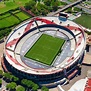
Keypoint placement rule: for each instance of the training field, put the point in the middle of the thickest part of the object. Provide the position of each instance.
(45, 49)
(84, 20)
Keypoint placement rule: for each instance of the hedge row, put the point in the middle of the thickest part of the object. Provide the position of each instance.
(5, 32)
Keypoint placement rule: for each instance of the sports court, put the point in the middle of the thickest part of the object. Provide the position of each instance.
(45, 49)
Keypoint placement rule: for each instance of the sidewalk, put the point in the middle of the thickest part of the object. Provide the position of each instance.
(1, 52)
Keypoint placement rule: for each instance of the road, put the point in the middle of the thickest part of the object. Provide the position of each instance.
(79, 6)
(65, 7)
(84, 9)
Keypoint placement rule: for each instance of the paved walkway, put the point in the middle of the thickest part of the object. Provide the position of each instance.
(82, 76)
(87, 59)
(81, 82)
(1, 52)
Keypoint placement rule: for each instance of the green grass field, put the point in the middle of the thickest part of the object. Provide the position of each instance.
(8, 5)
(22, 16)
(45, 49)
(6, 20)
(84, 20)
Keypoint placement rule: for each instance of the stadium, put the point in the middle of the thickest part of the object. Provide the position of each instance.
(47, 50)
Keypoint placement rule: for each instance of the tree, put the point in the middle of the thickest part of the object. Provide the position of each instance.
(23, 82)
(1, 73)
(35, 87)
(20, 88)
(0, 82)
(44, 88)
(15, 79)
(11, 86)
(27, 83)
(30, 83)
(34, 10)
(8, 76)
(30, 4)
(42, 9)
(47, 2)
(55, 5)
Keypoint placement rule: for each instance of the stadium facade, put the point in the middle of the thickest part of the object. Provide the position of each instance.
(64, 66)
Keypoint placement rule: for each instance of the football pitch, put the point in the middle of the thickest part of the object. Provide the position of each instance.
(45, 49)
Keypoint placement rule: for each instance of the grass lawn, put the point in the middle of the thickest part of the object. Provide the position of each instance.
(84, 20)
(8, 5)
(45, 49)
(4, 16)
(16, 11)
(22, 16)
(8, 21)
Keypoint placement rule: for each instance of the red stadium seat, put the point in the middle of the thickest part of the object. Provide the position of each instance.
(89, 82)
(87, 89)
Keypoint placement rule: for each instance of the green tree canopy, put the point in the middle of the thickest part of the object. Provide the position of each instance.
(27, 83)
(11, 86)
(30, 4)
(35, 87)
(20, 88)
(8, 76)
(5, 32)
(42, 9)
(1, 73)
(44, 88)
(0, 81)
(14, 78)
(47, 2)
(55, 5)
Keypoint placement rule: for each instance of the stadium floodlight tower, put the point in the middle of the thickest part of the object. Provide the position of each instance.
(36, 24)
(44, 50)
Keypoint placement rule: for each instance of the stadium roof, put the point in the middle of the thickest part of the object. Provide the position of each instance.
(26, 31)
